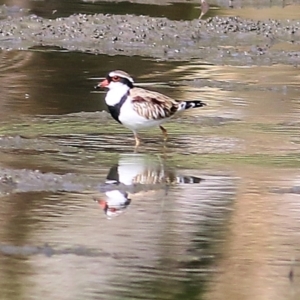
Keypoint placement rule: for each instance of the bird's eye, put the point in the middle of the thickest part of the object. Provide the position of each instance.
(115, 78)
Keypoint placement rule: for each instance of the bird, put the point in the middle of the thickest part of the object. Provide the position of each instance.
(138, 108)
(114, 203)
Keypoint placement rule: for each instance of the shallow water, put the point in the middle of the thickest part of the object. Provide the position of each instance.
(214, 214)
(75, 236)
(174, 10)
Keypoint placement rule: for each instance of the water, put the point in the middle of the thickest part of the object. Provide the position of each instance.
(169, 230)
(213, 215)
(58, 9)
(173, 240)
(174, 10)
(65, 81)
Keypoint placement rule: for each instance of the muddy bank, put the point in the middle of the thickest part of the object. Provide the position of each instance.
(217, 40)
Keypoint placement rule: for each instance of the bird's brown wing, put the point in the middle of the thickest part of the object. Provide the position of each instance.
(152, 105)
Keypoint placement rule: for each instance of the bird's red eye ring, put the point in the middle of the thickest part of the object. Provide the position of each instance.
(115, 78)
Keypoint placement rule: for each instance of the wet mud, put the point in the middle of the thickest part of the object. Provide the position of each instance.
(54, 150)
(66, 148)
(217, 39)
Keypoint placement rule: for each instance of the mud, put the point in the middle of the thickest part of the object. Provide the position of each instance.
(47, 250)
(218, 40)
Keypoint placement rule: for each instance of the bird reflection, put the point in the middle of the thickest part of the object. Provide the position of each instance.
(114, 203)
(135, 174)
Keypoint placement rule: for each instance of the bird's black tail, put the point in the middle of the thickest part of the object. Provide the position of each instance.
(193, 104)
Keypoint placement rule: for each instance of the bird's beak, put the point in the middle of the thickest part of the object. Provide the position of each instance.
(102, 204)
(102, 84)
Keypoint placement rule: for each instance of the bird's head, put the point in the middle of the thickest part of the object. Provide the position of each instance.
(116, 79)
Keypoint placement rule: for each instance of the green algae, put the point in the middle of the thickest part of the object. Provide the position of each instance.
(193, 161)
(95, 137)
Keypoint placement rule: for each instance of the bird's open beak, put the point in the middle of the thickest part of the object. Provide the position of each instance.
(102, 84)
